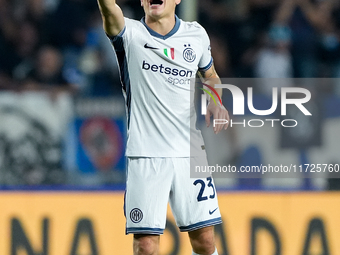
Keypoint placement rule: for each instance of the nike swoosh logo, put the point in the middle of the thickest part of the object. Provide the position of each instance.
(146, 46)
(211, 212)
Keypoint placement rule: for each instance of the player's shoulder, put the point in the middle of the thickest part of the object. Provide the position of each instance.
(193, 26)
(132, 22)
(133, 29)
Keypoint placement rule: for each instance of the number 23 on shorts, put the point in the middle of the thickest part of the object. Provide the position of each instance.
(200, 196)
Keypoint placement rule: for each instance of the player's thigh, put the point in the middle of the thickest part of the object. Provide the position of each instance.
(147, 194)
(193, 200)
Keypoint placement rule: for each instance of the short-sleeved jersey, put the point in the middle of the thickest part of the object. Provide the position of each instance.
(155, 73)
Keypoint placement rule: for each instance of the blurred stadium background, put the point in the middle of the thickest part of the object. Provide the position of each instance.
(63, 128)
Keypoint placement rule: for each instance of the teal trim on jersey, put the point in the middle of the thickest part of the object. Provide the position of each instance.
(118, 44)
(114, 39)
(207, 67)
(164, 37)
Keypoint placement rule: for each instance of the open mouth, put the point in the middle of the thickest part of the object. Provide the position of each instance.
(156, 2)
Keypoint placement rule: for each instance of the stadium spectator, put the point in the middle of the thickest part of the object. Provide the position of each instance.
(27, 42)
(245, 37)
(66, 26)
(309, 21)
(47, 72)
(274, 59)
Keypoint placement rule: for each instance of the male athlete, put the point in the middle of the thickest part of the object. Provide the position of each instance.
(157, 57)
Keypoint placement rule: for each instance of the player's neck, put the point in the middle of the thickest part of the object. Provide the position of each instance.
(163, 25)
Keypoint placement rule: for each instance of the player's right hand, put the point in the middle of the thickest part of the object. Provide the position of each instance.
(217, 111)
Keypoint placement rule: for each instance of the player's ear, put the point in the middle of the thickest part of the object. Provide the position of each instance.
(141, 2)
(177, 2)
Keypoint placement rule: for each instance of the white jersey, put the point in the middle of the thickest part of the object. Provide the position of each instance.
(155, 72)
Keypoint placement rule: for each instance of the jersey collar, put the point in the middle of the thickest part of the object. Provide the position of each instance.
(172, 32)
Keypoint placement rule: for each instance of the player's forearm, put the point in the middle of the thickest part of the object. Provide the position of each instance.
(211, 78)
(106, 7)
(219, 90)
(113, 19)
(212, 82)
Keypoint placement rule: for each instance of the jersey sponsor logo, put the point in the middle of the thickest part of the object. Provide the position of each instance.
(146, 46)
(169, 52)
(189, 54)
(166, 70)
(136, 215)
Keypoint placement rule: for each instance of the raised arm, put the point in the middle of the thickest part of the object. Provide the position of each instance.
(112, 15)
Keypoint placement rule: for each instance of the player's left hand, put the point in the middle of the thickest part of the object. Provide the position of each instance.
(218, 112)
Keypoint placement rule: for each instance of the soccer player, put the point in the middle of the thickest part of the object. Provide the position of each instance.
(157, 57)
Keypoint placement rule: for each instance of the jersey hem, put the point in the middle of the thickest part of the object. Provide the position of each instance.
(201, 224)
(152, 231)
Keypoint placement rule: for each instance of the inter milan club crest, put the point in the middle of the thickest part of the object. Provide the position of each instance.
(189, 54)
(136, 215)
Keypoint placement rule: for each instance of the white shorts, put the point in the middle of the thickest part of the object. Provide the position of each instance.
(153, 182)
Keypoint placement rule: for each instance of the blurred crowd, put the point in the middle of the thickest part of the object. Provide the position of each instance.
(274, 38)
(59, 45)
(55, 45)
